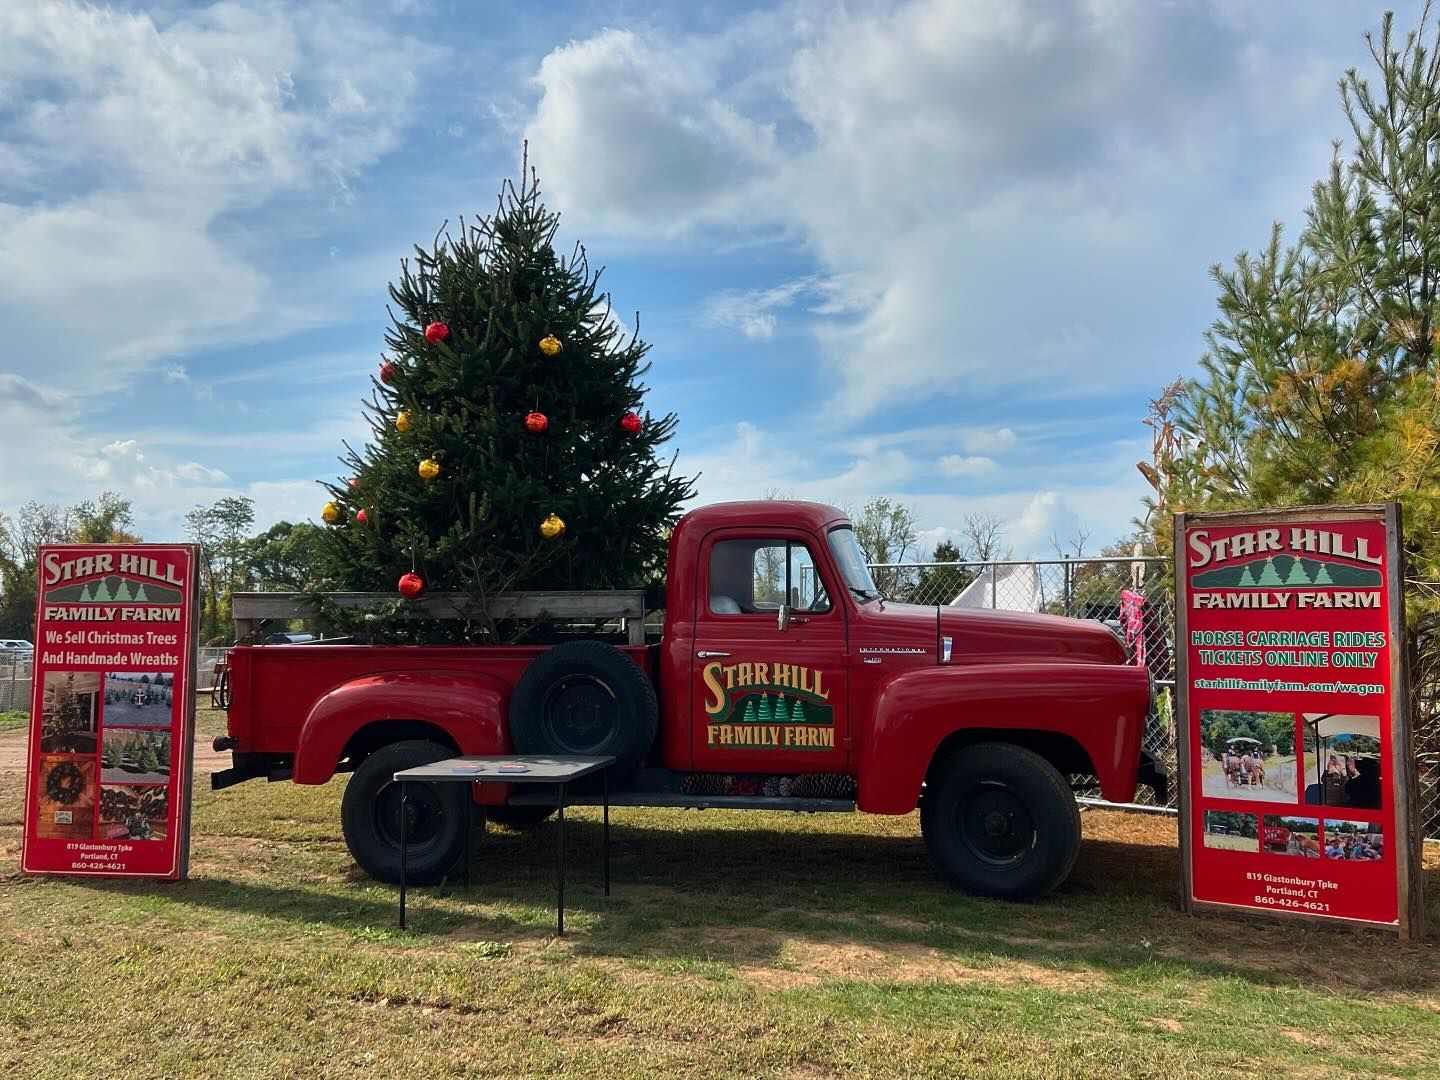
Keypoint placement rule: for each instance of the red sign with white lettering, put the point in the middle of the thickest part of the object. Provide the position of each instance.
(112, 711)
(1290, 632)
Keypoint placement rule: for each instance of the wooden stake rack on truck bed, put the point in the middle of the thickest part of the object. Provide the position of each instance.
(626, 605)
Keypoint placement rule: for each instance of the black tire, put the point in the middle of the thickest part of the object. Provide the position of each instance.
(518, 817)
(370, 816)
(585, 697)
(1000, 820)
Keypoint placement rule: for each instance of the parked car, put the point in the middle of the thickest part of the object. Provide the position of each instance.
(16, 645)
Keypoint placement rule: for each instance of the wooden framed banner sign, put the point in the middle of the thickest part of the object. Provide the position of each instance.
(112, 719)
(1298, 779)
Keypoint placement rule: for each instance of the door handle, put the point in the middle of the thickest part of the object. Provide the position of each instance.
(705, 654)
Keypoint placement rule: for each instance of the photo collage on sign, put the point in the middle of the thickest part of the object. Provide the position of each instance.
(1309, 760)
(138, 717)
(105, 755)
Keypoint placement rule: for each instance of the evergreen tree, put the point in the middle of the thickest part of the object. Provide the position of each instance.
(941, 584)
(1319, 383)
(496, 336)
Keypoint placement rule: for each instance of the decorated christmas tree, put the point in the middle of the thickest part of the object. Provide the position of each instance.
(510, 445)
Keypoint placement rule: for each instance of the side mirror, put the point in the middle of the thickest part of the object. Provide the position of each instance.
(783, 620)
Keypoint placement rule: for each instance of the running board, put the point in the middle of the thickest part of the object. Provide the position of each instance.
(674, 800)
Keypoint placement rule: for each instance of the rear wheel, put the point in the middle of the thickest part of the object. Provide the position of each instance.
(435, 816)
(1000, 820)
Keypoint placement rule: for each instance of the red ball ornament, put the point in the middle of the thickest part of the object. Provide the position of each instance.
(630, 424)
(436, 332)
(354, 483)
(411, 585)
(387, 372)
(360, 516)
(536, 422)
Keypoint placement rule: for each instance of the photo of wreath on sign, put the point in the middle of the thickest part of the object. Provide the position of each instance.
(66, 797)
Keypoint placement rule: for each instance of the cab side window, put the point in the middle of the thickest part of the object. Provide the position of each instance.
(749, 577)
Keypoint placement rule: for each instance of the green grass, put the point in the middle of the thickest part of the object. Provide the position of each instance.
(15, 720)
(734, 945)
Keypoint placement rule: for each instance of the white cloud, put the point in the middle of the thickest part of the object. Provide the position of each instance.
(1046, 515)
(996, 183)
(958, 465)
(753, 312)
(201, 474)
(632, 136)
(132, 136)
(987, 440)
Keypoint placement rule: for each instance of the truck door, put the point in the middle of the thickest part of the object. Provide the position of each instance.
(763, 698)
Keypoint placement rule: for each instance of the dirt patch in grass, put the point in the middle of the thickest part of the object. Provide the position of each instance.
(804, 963)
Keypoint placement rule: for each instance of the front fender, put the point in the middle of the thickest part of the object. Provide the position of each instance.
(1101, 706)
(469, 708)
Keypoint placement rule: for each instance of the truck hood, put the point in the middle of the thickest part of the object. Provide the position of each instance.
(993, 636)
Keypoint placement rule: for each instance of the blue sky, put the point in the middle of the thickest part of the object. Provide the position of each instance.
(940, 250)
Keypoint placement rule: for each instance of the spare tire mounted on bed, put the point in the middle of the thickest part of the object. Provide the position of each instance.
(584, 697)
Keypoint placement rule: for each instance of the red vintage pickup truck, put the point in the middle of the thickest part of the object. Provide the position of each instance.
(782, 680)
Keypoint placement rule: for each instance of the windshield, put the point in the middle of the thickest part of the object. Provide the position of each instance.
(851, 561)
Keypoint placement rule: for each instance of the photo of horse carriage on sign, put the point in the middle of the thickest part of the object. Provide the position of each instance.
(1249, 755)
(1284, 835)
(1342, 760)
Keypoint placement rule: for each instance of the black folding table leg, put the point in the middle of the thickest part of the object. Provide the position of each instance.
(404, 812)
(605, 832)
(469, 827)
(560, 861)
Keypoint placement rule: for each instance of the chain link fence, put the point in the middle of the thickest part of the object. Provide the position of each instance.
(15, 672)
(1134, 597)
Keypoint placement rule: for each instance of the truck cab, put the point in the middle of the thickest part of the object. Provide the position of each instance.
(782, 679)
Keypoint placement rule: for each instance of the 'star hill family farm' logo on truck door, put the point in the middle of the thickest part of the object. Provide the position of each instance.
(1279, 569)
(767, 707)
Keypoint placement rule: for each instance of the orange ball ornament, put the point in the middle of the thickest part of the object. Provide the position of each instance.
(553, 527)
(402, 420)
(428, 469)
(331, 513)
(550, 345)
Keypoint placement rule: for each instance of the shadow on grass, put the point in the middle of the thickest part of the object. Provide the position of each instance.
(736, 896)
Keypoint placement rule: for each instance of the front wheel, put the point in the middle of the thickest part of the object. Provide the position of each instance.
(435, 822)
(999, 820)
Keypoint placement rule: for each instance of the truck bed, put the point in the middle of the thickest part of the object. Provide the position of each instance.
(273, 687)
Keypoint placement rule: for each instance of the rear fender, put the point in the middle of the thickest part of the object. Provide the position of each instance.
(1102, 707)
(468, 709)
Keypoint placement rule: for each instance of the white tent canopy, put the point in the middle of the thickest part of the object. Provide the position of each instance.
(1009, 588)
(1328, 725)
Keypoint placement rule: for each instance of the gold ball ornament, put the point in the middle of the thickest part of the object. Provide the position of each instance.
(552, 528)
(402, 421)
(429, 469)
(331, 513)
(550, 345)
